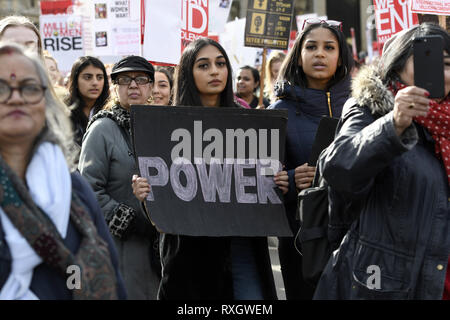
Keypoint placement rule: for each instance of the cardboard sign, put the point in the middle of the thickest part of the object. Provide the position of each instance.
(393, 16)
(438, 7)
(268, 24)
(211, 169)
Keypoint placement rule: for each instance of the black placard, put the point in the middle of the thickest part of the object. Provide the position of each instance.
(193, 194)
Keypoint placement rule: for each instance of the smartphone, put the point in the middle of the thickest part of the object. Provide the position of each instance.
(324, 136)
(429, 65)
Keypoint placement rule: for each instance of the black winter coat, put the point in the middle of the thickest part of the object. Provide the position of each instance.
(402, 235)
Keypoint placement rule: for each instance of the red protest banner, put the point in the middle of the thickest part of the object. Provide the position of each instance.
(393, 16)
(55, 7)
(438, 7)
(194, 17)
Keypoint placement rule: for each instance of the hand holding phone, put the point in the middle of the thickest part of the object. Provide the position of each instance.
(429, 65)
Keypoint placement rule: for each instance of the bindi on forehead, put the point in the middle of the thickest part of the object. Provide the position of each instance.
(12, 76)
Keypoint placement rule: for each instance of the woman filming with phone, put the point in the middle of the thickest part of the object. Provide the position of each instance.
(392, 152)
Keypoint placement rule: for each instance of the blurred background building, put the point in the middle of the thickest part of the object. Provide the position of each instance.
(29, 8)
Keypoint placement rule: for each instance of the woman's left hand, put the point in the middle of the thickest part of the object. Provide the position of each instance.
(282, 181)
(141, 187)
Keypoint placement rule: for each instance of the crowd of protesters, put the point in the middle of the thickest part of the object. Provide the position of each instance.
(71, 194)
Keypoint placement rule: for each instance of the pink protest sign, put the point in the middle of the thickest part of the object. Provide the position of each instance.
(438, 7)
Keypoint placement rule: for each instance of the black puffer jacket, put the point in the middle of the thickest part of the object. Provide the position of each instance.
(402, 234)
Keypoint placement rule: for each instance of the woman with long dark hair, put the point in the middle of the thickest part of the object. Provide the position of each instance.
(314, 81)
(205, 268)
(88, 92)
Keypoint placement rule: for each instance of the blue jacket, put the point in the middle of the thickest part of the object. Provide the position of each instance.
(398, 247)
(47, 284)
(305, 109)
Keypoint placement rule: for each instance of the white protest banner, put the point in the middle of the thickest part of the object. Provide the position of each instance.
(438, 7)
(219, 10)
(194, 21)
(84, 8)
(62, 38)
(232, 41)
(115, 27)
(392, 16)
(162, 32)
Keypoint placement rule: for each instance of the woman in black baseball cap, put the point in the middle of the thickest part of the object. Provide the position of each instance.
(108, 163)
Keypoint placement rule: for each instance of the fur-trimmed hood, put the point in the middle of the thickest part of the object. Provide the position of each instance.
(368, 90)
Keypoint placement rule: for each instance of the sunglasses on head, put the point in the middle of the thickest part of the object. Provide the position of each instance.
(331, 23)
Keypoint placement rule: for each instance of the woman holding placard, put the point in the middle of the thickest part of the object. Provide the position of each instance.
(205, 268)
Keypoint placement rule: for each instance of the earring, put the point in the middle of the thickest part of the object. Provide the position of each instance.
(150, 100)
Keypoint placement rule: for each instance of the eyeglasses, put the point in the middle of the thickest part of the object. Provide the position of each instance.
(30, 93)
(125, 81)
(331, 23)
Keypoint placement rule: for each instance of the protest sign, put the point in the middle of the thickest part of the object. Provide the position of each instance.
(115, 27)
(62, 38)
(55, 7)
(162, 35)
(393, 16)
(232, 40)
(219, 11)
(268, 23)
(211, 169)
(194, 21)
(437, 7)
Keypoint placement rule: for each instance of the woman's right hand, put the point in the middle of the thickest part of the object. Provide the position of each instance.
(141, 187)
(409, 102)
(303, 176)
